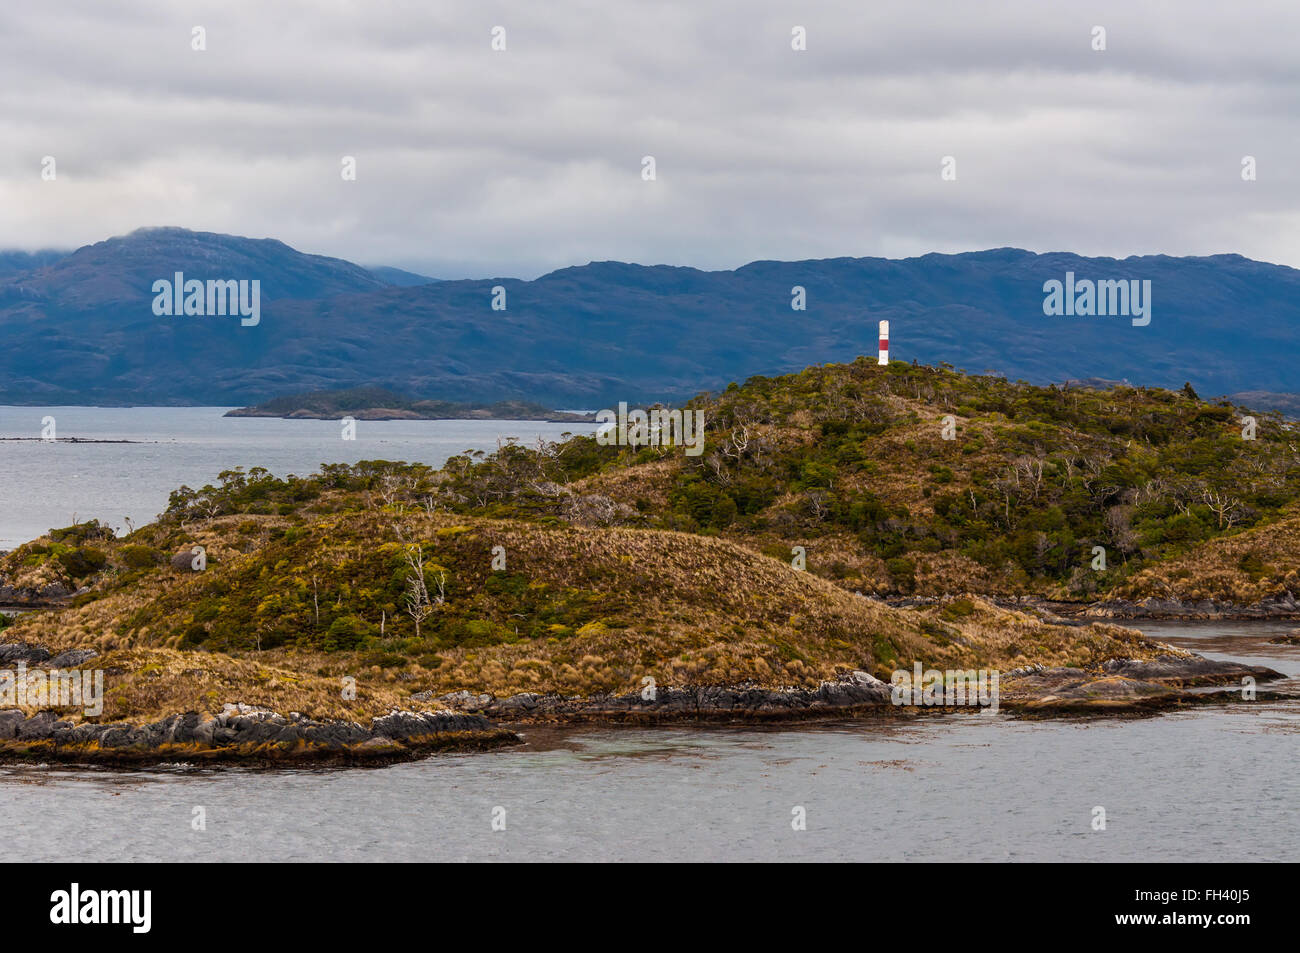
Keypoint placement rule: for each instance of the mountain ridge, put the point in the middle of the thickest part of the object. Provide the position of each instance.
(81, 329)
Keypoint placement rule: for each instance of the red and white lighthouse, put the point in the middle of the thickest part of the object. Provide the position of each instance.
(884, 342)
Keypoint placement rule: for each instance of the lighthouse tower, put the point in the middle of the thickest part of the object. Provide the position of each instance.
(884, 342)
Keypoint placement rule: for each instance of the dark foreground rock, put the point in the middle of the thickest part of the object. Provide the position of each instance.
(71, 658)
(247, 735)
(851, 692)
(1188, 672)
(1122, 686)
(1284, 605)
(11, 653)
(183, 561)
(27, 597)
(1131, 686)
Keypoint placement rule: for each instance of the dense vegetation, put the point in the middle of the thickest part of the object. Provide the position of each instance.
(1031, 481)
(880, 474)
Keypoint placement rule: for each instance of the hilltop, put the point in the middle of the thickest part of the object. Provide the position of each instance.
(920, 481)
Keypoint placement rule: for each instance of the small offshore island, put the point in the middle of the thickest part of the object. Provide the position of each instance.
(375, 403)
(844, 523)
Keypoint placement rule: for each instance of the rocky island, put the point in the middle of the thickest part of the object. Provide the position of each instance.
(844, 524)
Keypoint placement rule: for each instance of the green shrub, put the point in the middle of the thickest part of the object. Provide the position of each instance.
(140, 557)
(346, 633)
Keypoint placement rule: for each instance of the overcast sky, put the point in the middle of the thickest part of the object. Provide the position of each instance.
(477, 163)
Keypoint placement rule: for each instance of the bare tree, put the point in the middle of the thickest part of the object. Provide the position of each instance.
(737, 442)
(718, 467)
(1226, 508)
(1029, 471)
(419, 602)
(1120, 528)
(392, 488)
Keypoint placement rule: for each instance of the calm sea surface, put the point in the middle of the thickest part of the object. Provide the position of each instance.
(1206, 785)
(46, 484)
(1212, 784)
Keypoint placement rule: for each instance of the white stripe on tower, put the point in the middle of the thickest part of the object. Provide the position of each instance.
(884, 342)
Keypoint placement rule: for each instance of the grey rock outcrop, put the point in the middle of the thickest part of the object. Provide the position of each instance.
(849, 690)
(244, 729)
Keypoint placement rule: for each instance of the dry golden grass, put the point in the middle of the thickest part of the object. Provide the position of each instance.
(696, 611)
(1214, 570)
(938, 574)
(649, 481)
(147, 684)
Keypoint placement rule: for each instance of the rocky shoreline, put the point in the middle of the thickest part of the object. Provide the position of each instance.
(246, 735)
(23, 598)
(1121, 686)
(852, 692)
(253, 736)
(388, 413)
(1282, 606)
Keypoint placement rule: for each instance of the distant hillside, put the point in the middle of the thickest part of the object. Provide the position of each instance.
(399, 278)
(17, 262)
(374, 403)
(82, 330)
(1286, 404)
(119, 272)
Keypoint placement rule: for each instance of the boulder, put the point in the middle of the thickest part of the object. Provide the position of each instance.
(855, 688)
(72, 658)
(10, 718)
(11, 653)
(183, 561)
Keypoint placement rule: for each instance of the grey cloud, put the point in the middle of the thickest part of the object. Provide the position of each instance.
(480, 163)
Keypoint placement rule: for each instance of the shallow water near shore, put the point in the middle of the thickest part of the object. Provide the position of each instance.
(1210, 784)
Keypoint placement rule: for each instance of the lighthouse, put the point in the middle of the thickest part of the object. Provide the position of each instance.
(884, 343)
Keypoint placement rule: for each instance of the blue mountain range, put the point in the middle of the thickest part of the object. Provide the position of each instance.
(79, 327)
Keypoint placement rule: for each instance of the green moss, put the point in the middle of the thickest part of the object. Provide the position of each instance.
(957, 609)
(884, 651)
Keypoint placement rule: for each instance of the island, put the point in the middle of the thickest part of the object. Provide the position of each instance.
(844, 526)
(377, 403)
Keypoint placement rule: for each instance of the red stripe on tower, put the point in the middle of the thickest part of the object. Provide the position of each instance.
(884, 342)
